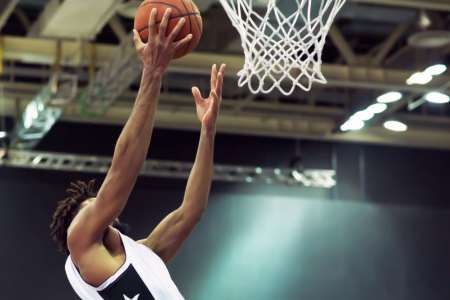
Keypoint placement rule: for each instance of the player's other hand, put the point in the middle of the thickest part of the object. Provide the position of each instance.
(161, 46)
(208, 108)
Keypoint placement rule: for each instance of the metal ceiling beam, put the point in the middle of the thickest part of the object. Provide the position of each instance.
(389, 43)
(42, 113)
(23, 18)
(426, 132)
(43, 51)
(443, 5)
(6, 9)
(342, 45)
(24, 91)
(44, 18)
(113, 79)
(118, 28)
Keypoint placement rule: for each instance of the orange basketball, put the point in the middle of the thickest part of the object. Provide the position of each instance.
(180, 9)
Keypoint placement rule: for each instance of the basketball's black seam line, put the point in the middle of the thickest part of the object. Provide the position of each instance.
(164, 3)
(192, 9)
(171, 18)
(200, 30)
(186, 47)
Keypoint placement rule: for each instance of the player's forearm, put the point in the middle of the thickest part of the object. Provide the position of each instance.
(199, 183)
(131, 148)
(132, 145)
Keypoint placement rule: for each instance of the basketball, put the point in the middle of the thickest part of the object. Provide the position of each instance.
(180, 9)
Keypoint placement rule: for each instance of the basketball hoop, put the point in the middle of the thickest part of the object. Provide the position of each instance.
(283, 49)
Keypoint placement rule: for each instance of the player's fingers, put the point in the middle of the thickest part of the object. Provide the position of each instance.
(163, 25)
(213, 77)
(222, 68)
(152, 24)
(173, 35)
(197, 95)
(137, 39)
(219, 85)
(215, 103)
(183, 42)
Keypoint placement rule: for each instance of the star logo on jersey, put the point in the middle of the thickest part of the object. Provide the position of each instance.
(125, 297)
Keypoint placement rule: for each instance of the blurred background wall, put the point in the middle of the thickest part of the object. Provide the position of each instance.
(381, 233)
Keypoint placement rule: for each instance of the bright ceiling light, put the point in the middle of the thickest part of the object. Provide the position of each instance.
(363, 115)
(390, 97)
(353, 125)
(436, 97)
(396, 126)
(377, 108)
(424, 20)
(436, 70)
(3, 134)
(420, 78)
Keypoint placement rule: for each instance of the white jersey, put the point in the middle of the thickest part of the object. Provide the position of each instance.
(143, 276)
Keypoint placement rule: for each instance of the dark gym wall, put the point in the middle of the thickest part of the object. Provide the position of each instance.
(381, 234)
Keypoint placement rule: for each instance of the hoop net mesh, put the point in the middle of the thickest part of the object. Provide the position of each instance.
(283, 50)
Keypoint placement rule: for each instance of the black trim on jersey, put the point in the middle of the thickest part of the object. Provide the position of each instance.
(128, 285)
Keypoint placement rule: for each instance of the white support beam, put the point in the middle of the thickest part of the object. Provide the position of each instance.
(443, 5)
(25, 91)
(291, 122)
(6, 9)
(74, 19)
(43, 51)
(44, 18)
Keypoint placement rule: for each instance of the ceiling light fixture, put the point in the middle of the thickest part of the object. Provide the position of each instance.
(396, 126)
(437, 97)
(419, 78)
(364, 115)
(390, 97)
(377, 108)
(353, 125)
(436, 70)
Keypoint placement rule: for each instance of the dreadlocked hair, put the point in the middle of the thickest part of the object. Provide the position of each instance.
(66, 210)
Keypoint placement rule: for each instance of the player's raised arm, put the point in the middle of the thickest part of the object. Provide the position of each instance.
(131, 148)
(168, 236)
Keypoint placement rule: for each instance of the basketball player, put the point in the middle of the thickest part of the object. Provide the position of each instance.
(103, 263)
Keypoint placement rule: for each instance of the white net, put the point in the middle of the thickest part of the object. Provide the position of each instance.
(282, 41)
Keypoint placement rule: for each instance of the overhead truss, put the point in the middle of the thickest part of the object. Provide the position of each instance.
(171, 169)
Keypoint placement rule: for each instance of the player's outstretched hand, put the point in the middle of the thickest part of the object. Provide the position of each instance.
(161, 46)
(208, 108)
